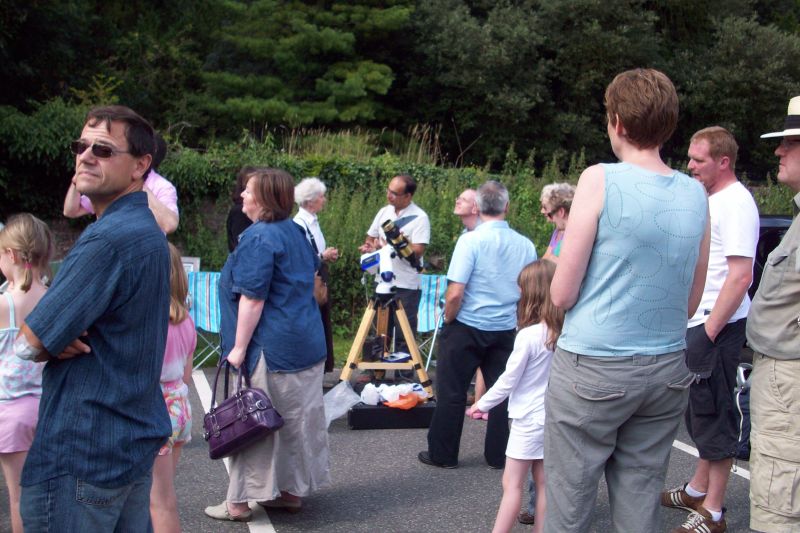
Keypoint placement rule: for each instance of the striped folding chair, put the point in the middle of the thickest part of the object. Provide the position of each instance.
(430, 315)
(204, 310)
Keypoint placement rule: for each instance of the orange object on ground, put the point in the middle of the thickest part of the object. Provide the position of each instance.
(405, 401)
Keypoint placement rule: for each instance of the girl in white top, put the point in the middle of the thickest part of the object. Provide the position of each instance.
(26, 246)
(524, 383)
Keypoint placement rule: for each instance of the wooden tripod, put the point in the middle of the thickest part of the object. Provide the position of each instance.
(381, 306)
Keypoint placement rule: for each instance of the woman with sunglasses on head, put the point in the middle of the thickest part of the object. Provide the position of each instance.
(556, 201)
(271, 329)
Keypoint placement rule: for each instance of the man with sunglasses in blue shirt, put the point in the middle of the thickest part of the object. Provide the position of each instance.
(102, 417)
(162, 198)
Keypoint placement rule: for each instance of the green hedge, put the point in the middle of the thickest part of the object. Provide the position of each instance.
(35, 166)
(356, 192)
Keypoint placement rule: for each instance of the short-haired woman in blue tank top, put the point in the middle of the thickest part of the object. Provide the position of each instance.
(631, 273)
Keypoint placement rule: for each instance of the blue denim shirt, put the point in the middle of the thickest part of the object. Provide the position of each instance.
(488, 261)
(274, 262)
(102, 417)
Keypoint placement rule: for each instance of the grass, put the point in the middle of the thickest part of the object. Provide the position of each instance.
(341, 347)
(213, 339)
(419, 146)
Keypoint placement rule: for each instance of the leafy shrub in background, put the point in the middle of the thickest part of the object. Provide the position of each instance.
(772, 198)
(356, 190)
(36, 165)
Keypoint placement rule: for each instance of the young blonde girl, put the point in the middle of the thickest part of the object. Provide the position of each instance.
(175, 376)
(26, 246)
(524, 382)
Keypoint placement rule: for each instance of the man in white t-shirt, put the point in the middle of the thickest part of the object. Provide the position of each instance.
(716, 332)
(400, 194)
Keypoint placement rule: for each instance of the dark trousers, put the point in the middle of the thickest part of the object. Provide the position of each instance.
(462, 350)
(410, 299)
(325, 315)
(711, 413)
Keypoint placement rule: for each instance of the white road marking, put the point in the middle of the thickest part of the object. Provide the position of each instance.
(260, 522)
(739, 471)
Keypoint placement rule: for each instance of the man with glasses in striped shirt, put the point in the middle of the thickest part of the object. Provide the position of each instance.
(102, 418)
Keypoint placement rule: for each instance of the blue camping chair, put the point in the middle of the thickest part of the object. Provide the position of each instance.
(204, 310)
(430, 315)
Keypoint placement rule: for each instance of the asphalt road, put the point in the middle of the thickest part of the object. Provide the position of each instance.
(379, 485)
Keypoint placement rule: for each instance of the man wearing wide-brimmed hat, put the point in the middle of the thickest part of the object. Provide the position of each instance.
(773, 331)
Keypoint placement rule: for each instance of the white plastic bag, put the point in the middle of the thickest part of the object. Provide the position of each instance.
(338, 401)
(370, 394)
(417, 389)
(391, 393)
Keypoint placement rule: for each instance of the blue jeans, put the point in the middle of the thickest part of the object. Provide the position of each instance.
(532, 490)
(66, 503)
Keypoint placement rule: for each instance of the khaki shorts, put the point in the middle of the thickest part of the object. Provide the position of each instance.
(775, 441)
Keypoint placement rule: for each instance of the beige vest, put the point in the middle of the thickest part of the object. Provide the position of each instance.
(773, 324)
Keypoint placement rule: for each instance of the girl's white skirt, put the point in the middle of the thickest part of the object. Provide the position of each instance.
(526, 439)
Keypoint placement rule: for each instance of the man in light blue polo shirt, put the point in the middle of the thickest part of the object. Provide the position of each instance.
(480, 317)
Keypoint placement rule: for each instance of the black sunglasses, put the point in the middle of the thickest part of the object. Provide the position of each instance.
(550, 214)
(98, 150)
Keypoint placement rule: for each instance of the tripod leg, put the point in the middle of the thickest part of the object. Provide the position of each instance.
(405, 327)
(353, 357)
(381, 329)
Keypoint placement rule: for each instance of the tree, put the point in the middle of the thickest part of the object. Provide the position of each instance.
(586, 44)
(43, 46)
(743, 80)
(529, 73)
(296, 63)
(477, 71)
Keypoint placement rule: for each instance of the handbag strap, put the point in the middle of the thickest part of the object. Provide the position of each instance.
(216, 380)
(311, 238)
(227, 378)
(241, 374)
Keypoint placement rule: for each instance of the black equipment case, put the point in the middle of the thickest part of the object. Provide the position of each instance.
(363, 416)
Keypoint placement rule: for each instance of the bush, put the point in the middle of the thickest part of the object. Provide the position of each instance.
(772, 198)
(356, 191)
(36, 165)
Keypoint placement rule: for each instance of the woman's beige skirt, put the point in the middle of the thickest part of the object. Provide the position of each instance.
(294, 458)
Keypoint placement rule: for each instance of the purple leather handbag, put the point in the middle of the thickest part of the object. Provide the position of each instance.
(239, 420)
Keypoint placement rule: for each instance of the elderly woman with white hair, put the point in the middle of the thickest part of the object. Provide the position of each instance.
(310, 197)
